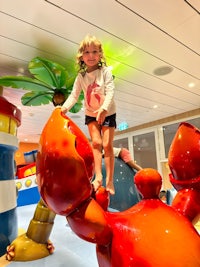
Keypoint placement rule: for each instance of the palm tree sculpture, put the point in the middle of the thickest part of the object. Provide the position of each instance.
(51, 82)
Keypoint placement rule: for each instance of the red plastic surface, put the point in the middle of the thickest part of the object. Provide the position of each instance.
(149, 234)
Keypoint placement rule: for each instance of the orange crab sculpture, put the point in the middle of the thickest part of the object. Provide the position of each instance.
(149, 234)
(184, 162)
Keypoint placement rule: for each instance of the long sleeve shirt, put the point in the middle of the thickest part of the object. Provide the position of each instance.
(98, 88)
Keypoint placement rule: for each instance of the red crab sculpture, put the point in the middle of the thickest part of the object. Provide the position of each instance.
(184, 162)
(149, 234)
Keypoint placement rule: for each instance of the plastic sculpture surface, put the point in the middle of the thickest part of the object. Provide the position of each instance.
(184, 162)
(149, 234)
(126, 194)
(10, 119)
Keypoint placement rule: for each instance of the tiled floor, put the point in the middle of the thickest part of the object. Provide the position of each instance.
(70, 250)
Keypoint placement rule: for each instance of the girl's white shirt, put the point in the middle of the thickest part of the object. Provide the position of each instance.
(98, 88)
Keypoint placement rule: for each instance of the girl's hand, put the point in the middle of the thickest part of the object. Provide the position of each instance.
(58, 106)
(64, 110)
(101, 115)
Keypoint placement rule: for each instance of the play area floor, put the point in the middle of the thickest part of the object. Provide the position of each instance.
(70, 250)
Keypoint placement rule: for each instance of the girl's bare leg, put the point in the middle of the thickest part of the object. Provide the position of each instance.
(95, 134)
(108, 136)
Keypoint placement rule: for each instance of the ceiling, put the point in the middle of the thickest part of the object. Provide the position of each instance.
(153, 47)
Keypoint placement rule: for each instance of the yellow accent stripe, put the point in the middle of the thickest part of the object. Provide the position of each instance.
(8, 125)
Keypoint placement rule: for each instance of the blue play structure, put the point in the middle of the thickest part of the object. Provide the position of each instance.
(10, 119)
(8, 213)
(28, 196)
(126, 194)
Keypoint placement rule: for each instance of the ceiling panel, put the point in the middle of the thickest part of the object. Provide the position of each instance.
(141, 39)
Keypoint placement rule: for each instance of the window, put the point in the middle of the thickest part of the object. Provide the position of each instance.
(145, 150)
(169, 132)
(121, 143)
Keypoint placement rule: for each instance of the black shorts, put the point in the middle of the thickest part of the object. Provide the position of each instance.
(110, 121)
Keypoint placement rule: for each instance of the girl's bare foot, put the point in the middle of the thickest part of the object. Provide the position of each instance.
(110, 188)
(97, 183)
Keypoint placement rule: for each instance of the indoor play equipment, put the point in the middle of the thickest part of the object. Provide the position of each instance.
(10, 119)
(150, 233)
(184, 163)
(26, 180)
(126, 194)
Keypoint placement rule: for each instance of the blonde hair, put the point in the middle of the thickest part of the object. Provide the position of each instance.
(87, 41)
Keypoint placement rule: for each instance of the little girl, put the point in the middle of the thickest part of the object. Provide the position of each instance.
(96, 81)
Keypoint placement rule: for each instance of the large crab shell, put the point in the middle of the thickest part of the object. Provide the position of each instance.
(64, 165)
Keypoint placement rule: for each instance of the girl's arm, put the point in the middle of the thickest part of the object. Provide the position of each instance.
(73, 97)
(109, 88)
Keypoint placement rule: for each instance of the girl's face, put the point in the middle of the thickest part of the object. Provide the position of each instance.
(91, 57)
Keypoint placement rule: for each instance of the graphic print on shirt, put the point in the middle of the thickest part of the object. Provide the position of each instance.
(94, 98)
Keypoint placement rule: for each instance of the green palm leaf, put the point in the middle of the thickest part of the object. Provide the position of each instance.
(76, 108)
(70, 83)
(48, 72)
(50, 79)
(36, 98)
(22, 82)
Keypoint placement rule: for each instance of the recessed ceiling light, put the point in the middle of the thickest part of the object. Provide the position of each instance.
(155, 106)
(163, 70)
(191, 85)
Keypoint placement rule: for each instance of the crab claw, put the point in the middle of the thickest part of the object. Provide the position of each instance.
(183, 157)
(25, 249)
(50, 247)
(10, 252)
(64, 165)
